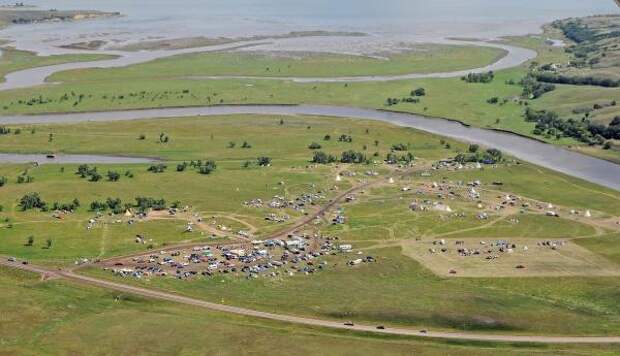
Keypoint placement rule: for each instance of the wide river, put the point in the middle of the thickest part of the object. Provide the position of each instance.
(589, 168)
(388, 21)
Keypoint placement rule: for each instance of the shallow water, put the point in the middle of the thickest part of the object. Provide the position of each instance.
(387, 20)
(549, 156)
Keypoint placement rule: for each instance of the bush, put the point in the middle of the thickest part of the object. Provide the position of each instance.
(314, 146)
(493, 100)
(418, 92)
(181, 166)
(479, 77)
(353, 157)
(323, 158)
(400, 147)
(32, 201)
(345, 138)
(207, 168)
(113, 176)
(263, 161)
(157, 168)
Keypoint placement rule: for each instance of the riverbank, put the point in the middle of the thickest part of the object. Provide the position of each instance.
(553, 157)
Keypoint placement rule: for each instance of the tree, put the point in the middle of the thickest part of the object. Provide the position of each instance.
(157, 168)
(493, 154)
(418, 92)
(322, 158)
(181, 167)
(32, 201)
(246, 145)
(327, 138)
(3, 181)
(351, 156)
(113, 176)
(400, 147)
(30, 241)
(207, 168)
(314, 146)
(345, 138)
(48, 243)
(473, 148)
(95, 176)
(263, 161)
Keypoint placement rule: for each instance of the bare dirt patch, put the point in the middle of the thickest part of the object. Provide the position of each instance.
(566, 259)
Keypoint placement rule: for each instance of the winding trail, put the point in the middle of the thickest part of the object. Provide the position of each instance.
(550, 156)
(37, 76)
(155, 294)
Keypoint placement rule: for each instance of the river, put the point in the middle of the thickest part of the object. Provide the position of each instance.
(549, 156)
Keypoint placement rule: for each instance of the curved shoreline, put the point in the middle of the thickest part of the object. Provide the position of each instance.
(553, 157)
(37, 76)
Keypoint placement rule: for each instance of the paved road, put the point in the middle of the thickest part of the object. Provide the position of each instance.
(550, 156)
(154, 294)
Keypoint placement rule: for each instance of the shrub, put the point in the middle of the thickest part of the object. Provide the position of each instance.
(32, 201)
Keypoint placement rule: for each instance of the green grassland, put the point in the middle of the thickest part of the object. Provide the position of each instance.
(209, 138)
(603, 245)
(421, 59)
(220, 193)
(55, 317)
(13, 60)
(397, 290)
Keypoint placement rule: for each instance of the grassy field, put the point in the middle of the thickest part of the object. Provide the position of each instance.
(397, 290)
(56, 317)
(220, 193)
(13, 60)
(421, 59)
(223, 192)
